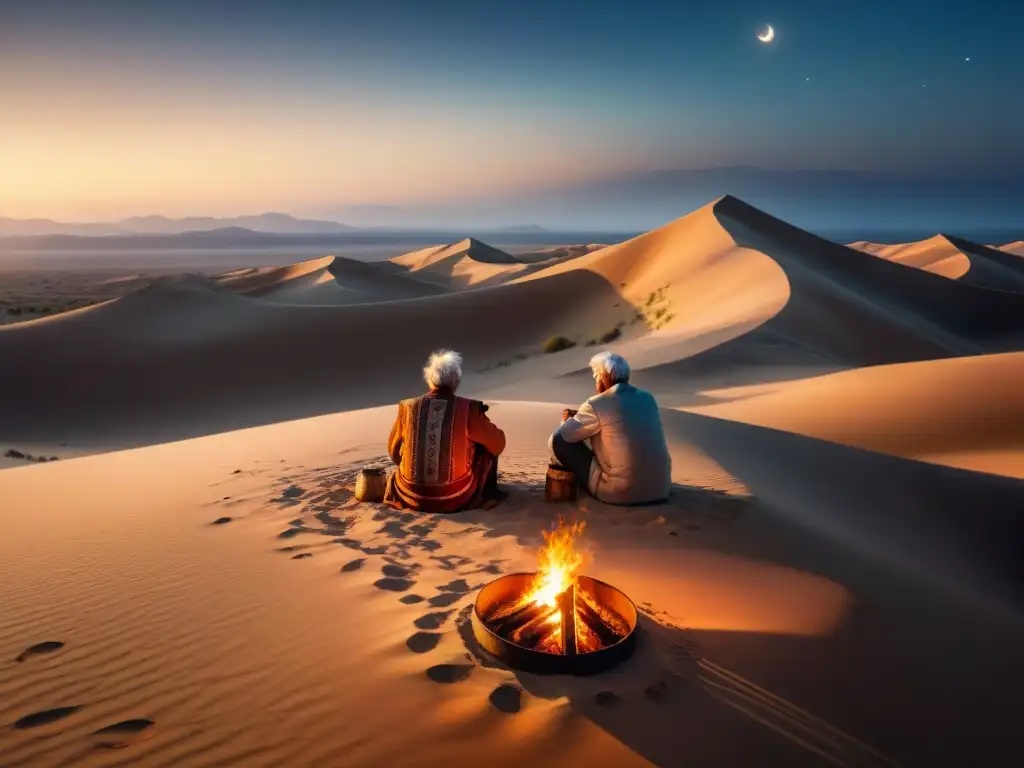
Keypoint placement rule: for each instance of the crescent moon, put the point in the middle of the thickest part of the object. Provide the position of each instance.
(768, 35)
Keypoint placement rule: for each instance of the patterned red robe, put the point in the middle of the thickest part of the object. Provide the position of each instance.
(444, 447)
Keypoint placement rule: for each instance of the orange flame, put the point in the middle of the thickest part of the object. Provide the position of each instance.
(559, 562)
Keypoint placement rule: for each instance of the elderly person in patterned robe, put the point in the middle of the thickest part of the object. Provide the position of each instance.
(628, 461)
(445, 447)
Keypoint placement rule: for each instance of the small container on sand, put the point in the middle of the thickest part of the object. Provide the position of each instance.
(560, 484)
(371, 484)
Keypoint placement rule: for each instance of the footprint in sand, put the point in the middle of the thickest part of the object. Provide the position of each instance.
(507, 698)
(657, 691)
(411, 599)
(123, 734)
(459, 586)
(47, 716)
(350, 543)
(393, 584)
(449, 673)
(292, 492)
(433, 620)
(289, 533)
(221, 521)
(422, 642)
(40, 649)
(395, 571)
(445, 599)
(302, 555)
(606, 698)
(353, 565)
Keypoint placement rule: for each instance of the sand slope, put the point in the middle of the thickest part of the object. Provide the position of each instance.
(330, 280)
(967, 412)
(955, 258)
(836, 580)
(463, 264)
(726, 288)
(936, 254)
(811, 627)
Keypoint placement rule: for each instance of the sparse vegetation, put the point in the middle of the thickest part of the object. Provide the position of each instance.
(557, 344)
(507, 361)
(655, 312)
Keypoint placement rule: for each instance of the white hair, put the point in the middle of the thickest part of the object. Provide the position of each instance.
(611, 365)
(444, 369)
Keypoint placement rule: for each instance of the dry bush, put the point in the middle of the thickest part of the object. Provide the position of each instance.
(557, 344)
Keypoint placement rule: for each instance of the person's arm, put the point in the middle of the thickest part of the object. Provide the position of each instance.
(395, 440)
(583, 424)
(483, 431)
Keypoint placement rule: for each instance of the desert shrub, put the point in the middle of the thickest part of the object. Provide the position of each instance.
(610, 335)
(557, 344)
(591, 343)
(14, 454)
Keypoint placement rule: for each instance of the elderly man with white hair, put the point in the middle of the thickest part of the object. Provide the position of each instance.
(445, 447)
(629, 463)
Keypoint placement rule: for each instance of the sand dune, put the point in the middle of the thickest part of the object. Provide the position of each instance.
(1016, 248)
(463, 264)
(330, 280)
(967, 412)
(955, 258)
(257, 281)
(310, 629)
(836, 579)
(723, 289)
(936, 254)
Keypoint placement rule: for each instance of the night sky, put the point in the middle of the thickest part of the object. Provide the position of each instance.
(115, 109)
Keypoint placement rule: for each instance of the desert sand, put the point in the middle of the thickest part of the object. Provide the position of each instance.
(836, 580)
(958, 259)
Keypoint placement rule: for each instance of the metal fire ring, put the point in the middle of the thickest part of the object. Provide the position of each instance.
(515, 585)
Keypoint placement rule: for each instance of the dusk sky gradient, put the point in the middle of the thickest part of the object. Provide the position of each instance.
(222, 108)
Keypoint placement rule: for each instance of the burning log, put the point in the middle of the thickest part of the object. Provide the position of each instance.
(605, 634)
(567, 606)
(518, 617)
(534, 631)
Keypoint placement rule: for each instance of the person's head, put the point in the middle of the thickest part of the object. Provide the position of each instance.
(443, 370)
(609, 369)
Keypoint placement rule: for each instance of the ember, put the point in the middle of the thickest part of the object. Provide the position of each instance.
(555, 613)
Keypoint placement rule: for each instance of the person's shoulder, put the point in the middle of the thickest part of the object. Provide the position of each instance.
(409, 402)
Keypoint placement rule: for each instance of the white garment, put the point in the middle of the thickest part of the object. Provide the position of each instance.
(631, 461)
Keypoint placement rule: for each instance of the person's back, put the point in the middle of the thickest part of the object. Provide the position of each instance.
(633, 463)
(628, 461)
(444, 446)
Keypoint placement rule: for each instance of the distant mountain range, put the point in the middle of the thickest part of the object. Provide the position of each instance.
(280, 223)
(823, 201)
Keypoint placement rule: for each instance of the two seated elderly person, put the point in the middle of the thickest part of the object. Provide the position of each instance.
(446, 448)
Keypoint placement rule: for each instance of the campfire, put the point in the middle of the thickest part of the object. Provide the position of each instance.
(555, 619)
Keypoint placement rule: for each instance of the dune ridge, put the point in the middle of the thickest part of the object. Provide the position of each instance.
(725, 287)
(955, 258)
(931, 410)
